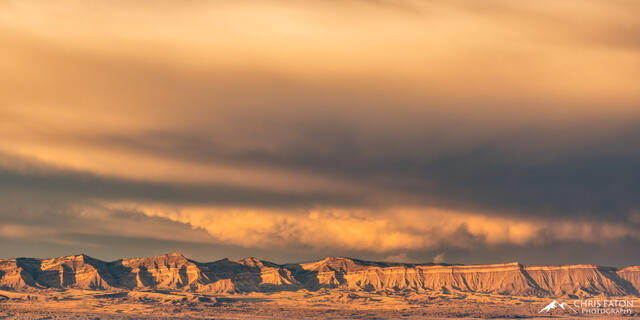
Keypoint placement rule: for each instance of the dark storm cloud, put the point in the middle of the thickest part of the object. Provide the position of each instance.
(84, 185)
(599, 179)
(617, 253)
(44, 224)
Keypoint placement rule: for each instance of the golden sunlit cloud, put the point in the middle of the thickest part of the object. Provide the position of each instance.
(391, 230)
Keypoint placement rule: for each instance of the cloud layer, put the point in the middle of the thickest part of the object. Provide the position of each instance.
(375, 128)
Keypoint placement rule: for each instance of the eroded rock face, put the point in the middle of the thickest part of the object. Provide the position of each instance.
(14, 276)
(176, 272)
(171, 272)
(65, 272)
(580, 280)
(630, 277)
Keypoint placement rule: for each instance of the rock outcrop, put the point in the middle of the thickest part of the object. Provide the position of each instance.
(174, 272)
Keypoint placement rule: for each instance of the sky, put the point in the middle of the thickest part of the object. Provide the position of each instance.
(401, 130)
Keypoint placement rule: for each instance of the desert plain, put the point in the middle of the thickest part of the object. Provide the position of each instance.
(303, 304)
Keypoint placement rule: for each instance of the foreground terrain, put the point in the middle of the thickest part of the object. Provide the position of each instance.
(323, 304)
(172, 286)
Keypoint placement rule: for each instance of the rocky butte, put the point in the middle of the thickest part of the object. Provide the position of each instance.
(178, 273)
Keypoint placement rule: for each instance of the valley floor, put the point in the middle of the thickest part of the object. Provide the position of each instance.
(323, 304)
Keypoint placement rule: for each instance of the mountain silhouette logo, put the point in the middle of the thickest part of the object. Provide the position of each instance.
(554, 305)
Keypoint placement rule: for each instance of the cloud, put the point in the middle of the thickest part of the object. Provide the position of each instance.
(316, 124)
(527, 176)
(89, 186)
(395, 229)
(439, 258)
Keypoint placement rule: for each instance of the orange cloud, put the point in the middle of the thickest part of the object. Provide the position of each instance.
(386, 231)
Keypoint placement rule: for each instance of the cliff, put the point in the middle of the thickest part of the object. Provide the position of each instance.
(176, 272)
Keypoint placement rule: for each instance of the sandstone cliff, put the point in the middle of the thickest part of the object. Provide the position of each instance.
(176, 272)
